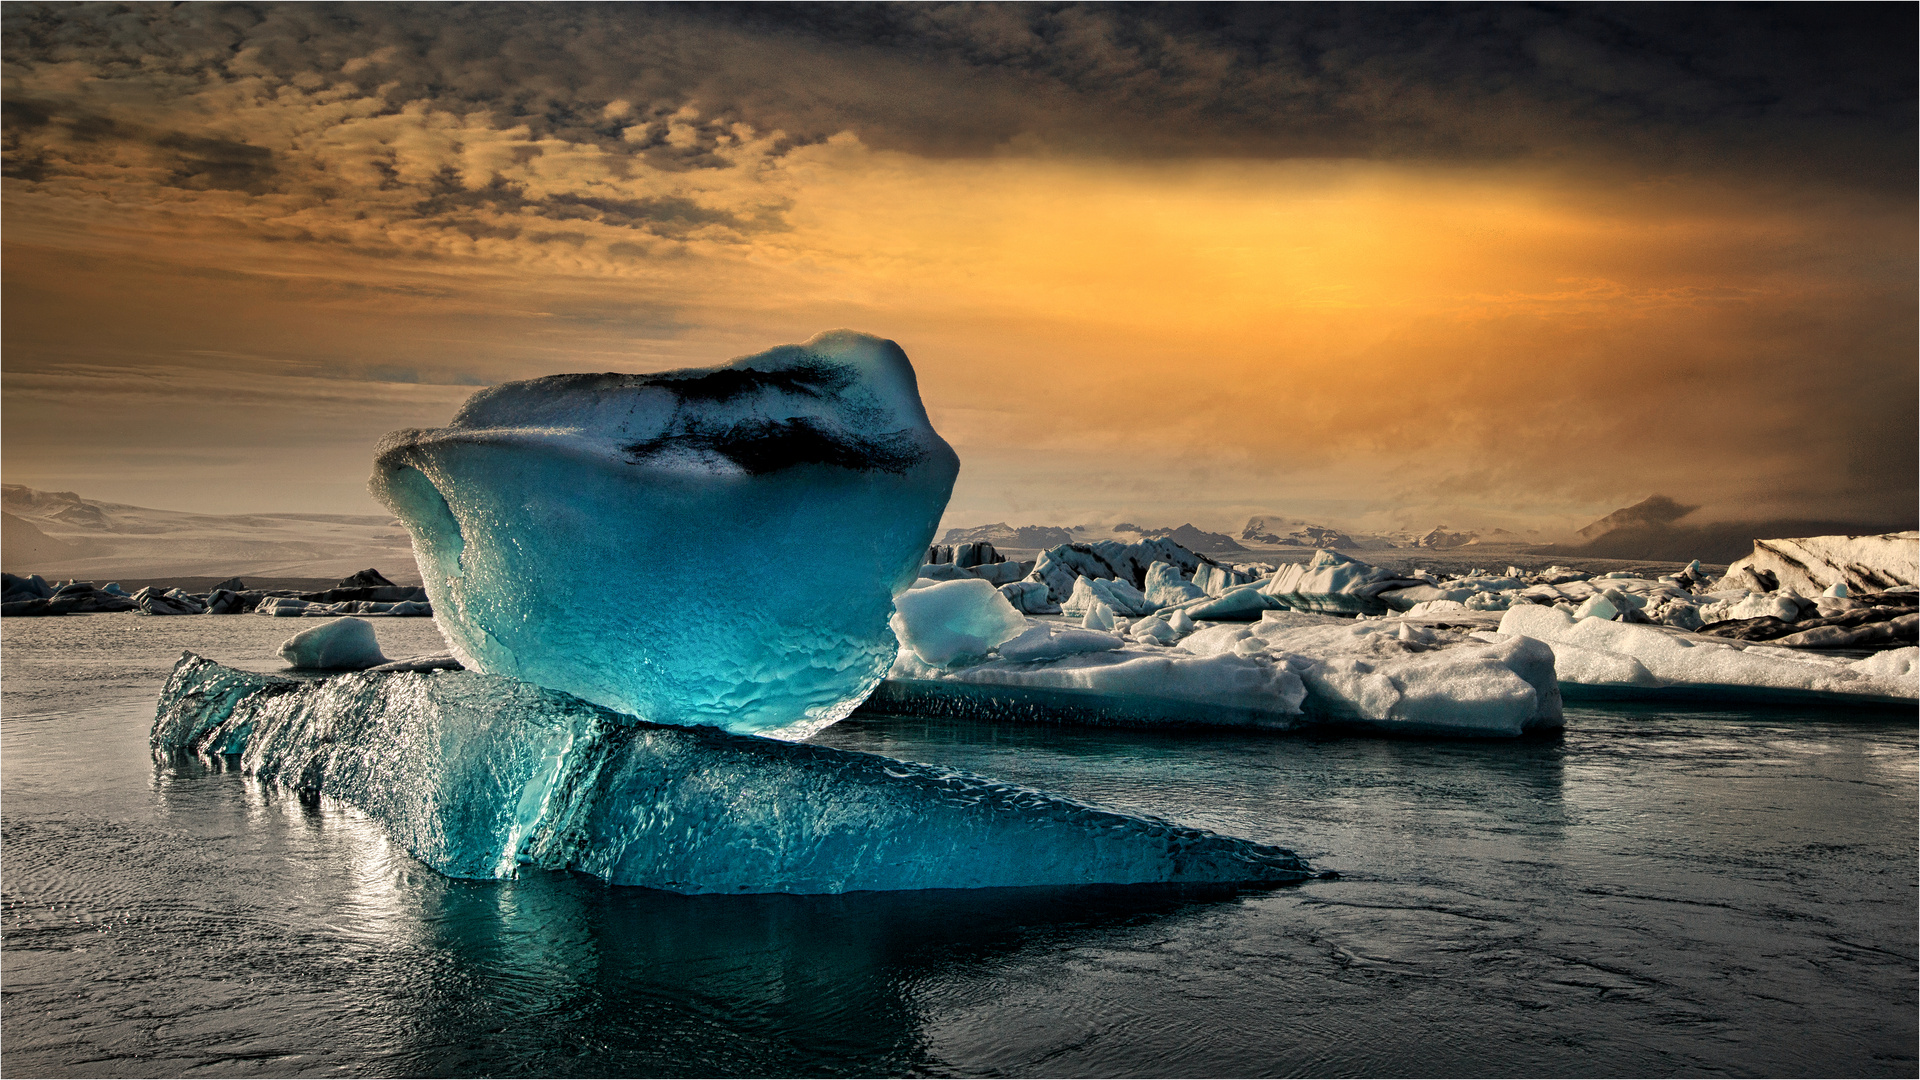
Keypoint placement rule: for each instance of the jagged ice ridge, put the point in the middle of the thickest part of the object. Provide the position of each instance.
(478, 775)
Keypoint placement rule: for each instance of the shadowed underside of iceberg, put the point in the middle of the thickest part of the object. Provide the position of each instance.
(478, 774)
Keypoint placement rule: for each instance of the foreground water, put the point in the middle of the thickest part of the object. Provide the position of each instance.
(1656, 892)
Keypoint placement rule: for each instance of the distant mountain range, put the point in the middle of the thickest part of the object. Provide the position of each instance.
(1002, 535)
(1656, 528)
(1187, 536)
(60, 534)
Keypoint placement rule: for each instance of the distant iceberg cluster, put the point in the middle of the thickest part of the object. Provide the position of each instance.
(1166, 635)
(365, 593)
(1287, 669)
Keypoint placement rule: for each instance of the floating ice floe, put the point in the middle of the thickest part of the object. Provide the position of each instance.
(1335, 583)
(1600, 659)
(339, 645)
(543, 515)
(954, 621)
(479, 775)
(1288, 670)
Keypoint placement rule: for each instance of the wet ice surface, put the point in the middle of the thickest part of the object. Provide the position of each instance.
(1659, 892)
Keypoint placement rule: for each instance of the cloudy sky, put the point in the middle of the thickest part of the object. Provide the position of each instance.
(1384, 266)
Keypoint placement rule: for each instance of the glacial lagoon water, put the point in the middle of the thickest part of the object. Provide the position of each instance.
(1656, 892)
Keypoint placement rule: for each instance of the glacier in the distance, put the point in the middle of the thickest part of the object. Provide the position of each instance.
(478, 775)
(650, 542)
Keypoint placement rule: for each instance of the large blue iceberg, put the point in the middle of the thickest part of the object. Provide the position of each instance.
(651, 542)
(478, 775)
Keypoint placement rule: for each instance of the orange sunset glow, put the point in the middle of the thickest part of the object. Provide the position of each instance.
(1157, 283)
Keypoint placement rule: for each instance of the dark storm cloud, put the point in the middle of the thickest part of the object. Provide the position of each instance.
(448, 195)
(1824, 91)
(194, 162)
(1449, 79)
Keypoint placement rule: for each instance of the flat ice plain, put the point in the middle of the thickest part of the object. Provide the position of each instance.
(1655, 891)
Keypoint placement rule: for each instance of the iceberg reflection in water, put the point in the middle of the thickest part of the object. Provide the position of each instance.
(478, 774)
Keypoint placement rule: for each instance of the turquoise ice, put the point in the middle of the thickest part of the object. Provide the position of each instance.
(478, 775)
(717, 546)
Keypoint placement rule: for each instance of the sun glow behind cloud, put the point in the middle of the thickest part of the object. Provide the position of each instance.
(1511, 341)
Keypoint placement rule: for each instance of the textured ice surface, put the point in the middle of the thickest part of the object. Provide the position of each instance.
(954, 620)
(1239, 603)
(1165, 587)
(1104, 559)
(1597, 658)
(1030, 597)
(1289, 669)
(1871, 563)
(1046, 641)
(477, 775)
(648, 542)
(1137, 684)
(1332, 582)
(1118, 597)
(339, 644)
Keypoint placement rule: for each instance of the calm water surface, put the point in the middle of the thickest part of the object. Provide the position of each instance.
(1656, 893)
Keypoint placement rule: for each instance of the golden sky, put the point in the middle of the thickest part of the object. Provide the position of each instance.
(1479, 266)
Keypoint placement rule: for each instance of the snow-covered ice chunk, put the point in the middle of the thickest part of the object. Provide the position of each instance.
(1238, 604)
(1214, 579)
(1895, 664)
(954, 620)
(1155, 629)
(339, 644)
(1332, 582)
(1615, 660)
(1290, 669)
(1098, 617)
(1389, 675)
(1868, 563)
(542, 514)
(1118, 596)
(1058, 566)
(1043, 641)
(1165, 588)
(1763, 605)
(479, 775)
(1597, 606)
(1030, 597)
(1143, 685)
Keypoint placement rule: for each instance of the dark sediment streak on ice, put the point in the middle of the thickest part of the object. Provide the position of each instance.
(478, 774)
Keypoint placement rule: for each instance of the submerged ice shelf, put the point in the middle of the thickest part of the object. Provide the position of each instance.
(478, 774)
